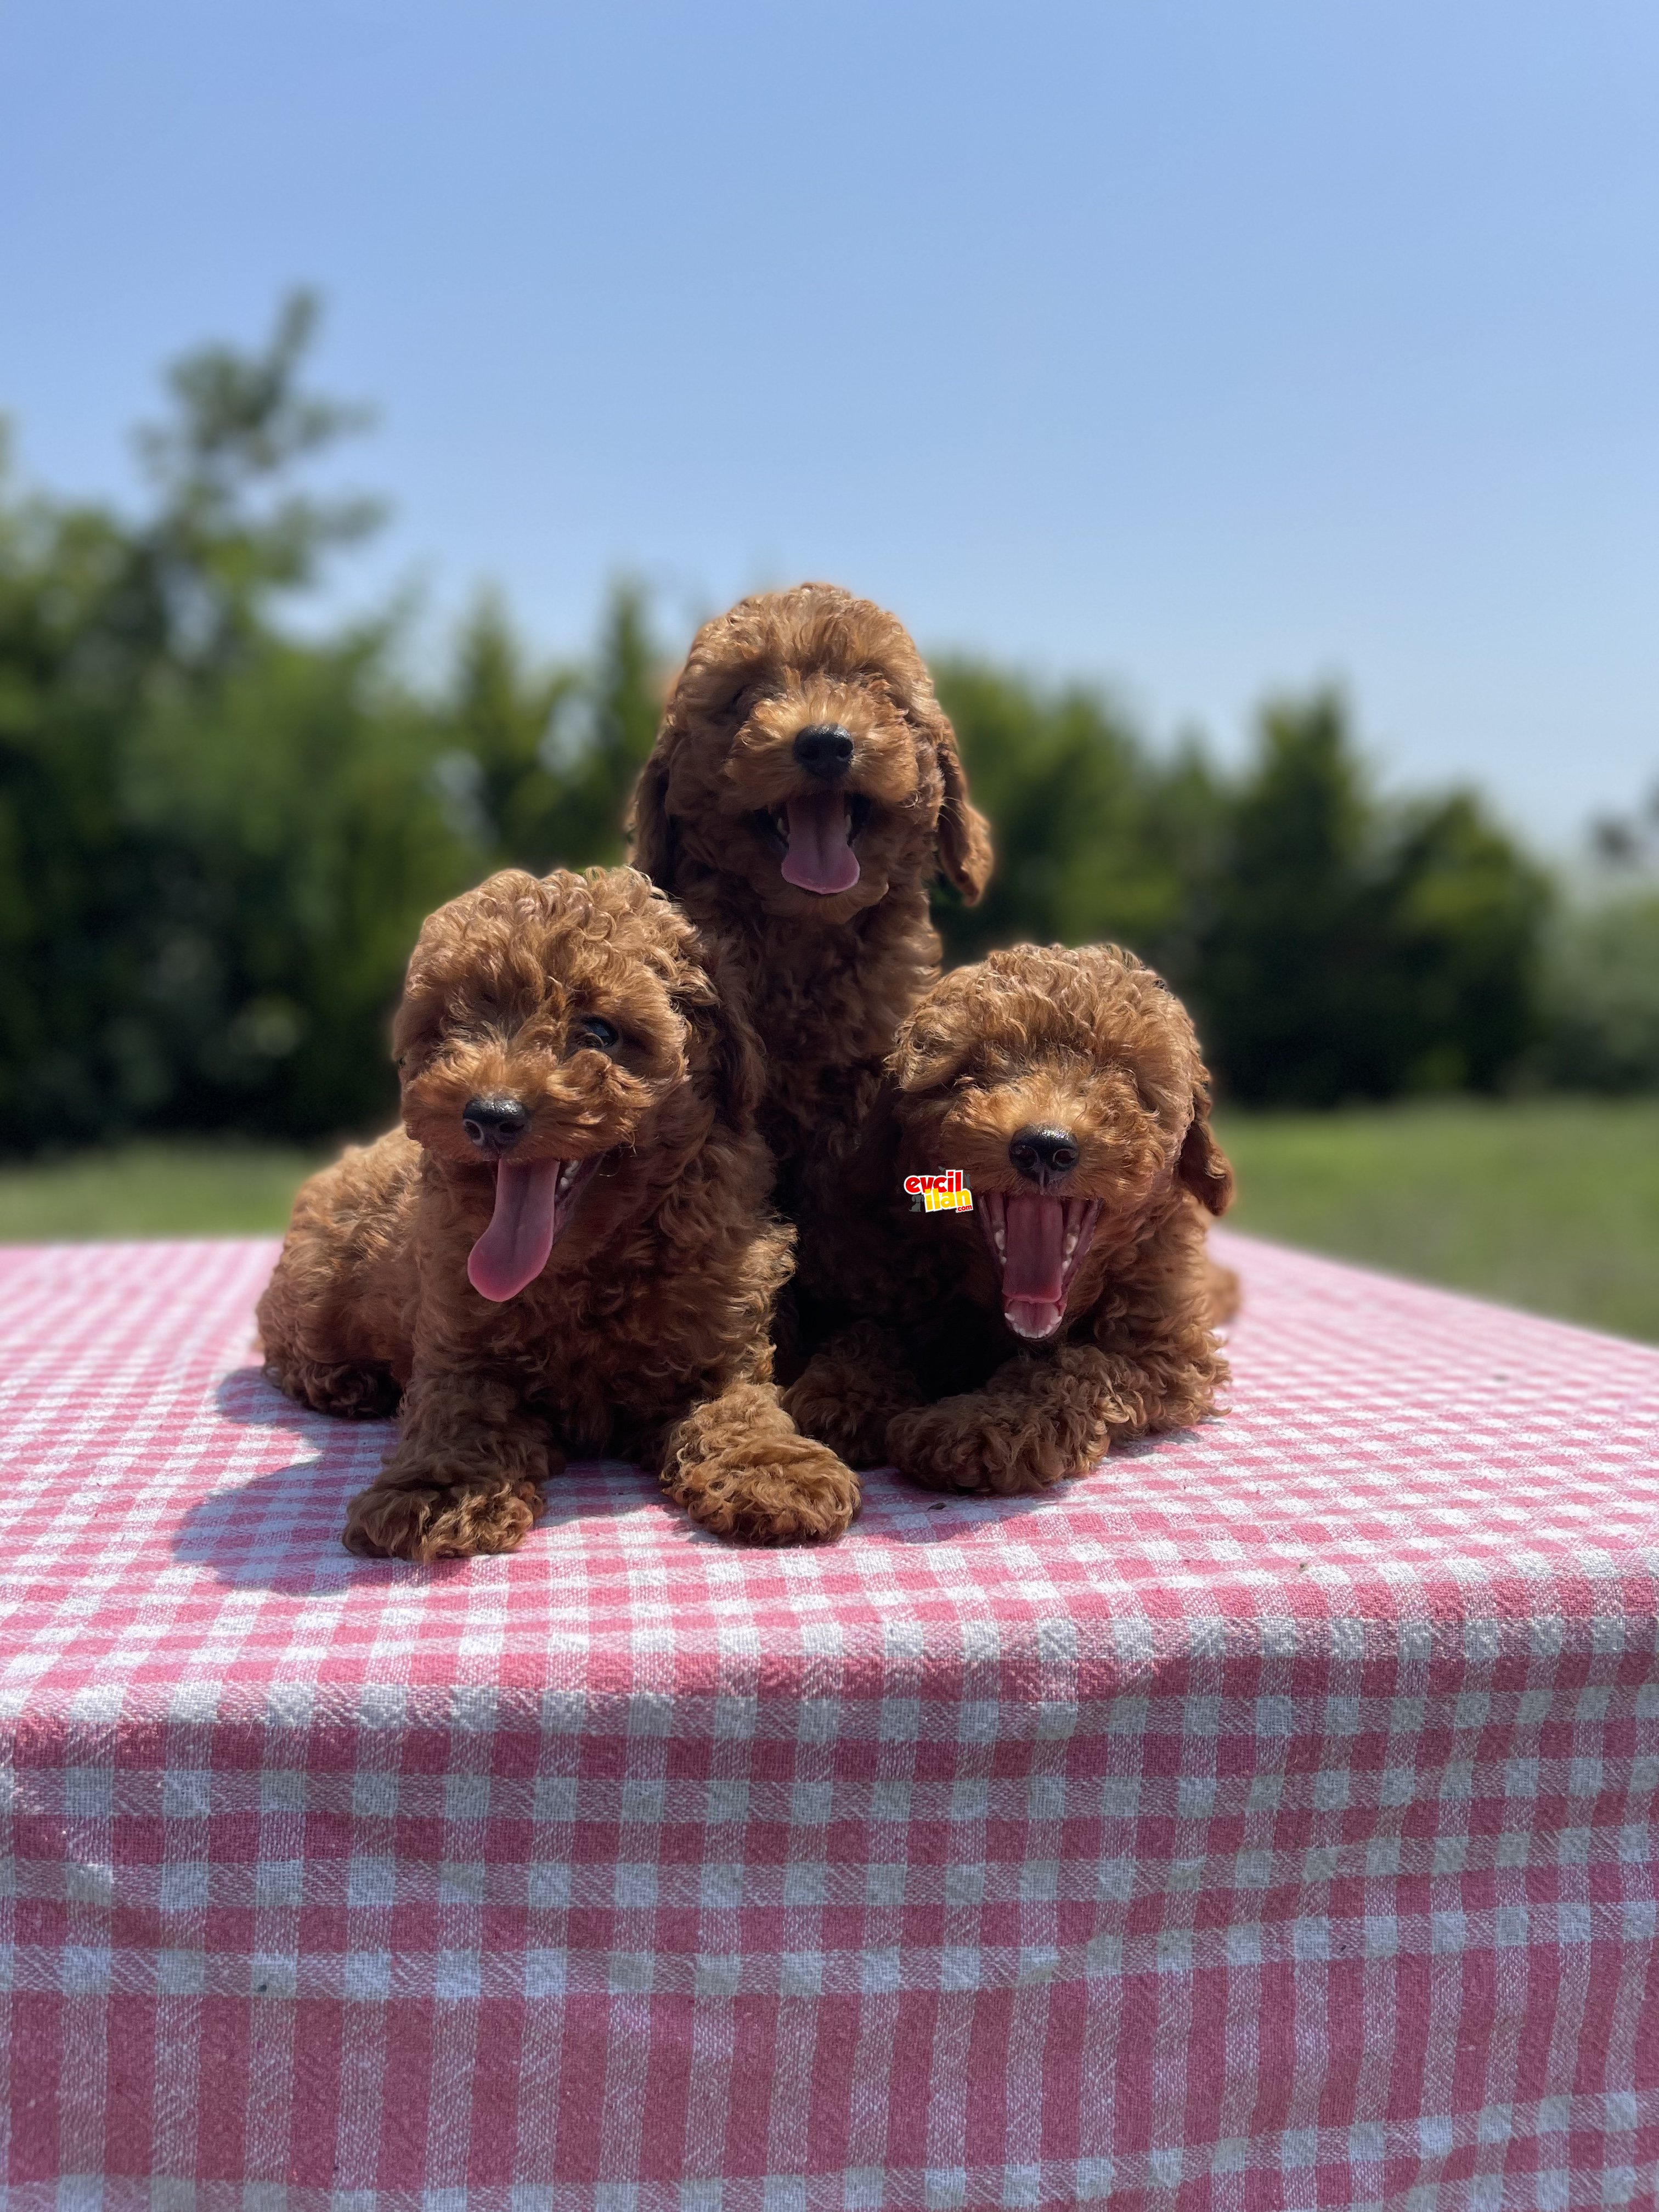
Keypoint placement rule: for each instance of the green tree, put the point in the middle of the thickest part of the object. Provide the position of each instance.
(218, 836)
(1600, 996)
(220, 839)
(1287, 960)
(304, 838)
(1331, 946)
(539, 763)
(1466, 913)
(605, 755)
(1095, 837)
(232, 533)
(498, 722)
(77, 640)
(1350, 950)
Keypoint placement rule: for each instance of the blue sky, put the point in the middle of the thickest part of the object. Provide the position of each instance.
(1208, 349)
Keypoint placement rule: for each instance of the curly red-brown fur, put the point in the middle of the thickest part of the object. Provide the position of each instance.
(923, 1354)
(646, 1334)
(829, 977)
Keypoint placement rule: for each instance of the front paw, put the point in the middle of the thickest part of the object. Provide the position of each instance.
(454, 1523)
(800, 1493)
(777, 1487)
(822, 1409)
(972, 1442)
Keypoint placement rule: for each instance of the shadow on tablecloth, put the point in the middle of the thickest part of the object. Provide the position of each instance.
(278, 1527)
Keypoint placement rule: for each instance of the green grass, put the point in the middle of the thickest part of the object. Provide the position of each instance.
(1552, 1204)
(199, 1188)
(1549, 1203)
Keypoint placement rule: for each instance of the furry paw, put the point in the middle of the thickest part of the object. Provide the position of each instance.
(453, 1523)
(976, 1443)
(796, 1493)
(858, 1433)
(362, 1394)
(847, 1393)
(740, 1467)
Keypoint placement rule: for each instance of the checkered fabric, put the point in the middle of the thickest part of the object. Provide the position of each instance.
(1266, 1821)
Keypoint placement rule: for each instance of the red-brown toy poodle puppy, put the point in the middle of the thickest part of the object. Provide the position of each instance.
(804, 791)
(568, 1247)
(1006, 1348)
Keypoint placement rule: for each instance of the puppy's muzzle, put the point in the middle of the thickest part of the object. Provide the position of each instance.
(824, 749)
(1044, 1155)
(494, 1125)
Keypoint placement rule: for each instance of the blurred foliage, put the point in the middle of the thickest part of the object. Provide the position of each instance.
(1600, 991)
(1333, 946)
(218, 839)
(541, 761)
(1600, 997)
(1095, 838)
(219, 834)
(1354, 950)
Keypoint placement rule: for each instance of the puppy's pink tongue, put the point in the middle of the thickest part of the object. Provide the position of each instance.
(819, 858)
(1033, 1285)
(513, 1250)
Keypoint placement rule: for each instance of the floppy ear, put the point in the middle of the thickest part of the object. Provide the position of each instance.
(1203, 1165)
(905, 1056)
(649, 825)
(964, 834)
(736, 1059)
(932, 1044)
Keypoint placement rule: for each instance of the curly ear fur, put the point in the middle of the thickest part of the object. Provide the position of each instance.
(964, 834)
(650, 827)
(1203, 1166)
(740, 1060)
(733, 1056)
(927, 1048)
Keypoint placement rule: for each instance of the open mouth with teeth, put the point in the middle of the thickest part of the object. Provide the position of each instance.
(1039, 1244)
(815, 835)
(534, 1201)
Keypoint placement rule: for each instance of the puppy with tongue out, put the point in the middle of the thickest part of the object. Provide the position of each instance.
(567, 1247)
(803, 793)
(1006, 1348)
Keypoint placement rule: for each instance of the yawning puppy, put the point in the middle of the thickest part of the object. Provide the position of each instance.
(1006, 1348)
(803, 792)
(567, 1247)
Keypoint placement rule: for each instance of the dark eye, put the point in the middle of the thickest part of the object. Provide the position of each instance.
(594, 1029)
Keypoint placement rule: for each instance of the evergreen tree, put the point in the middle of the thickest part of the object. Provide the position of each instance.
(1288, 959)
(1333, 947)
(542, 762)
(218, 836)
(1353, 951)
(1095, 838)
(220, 840)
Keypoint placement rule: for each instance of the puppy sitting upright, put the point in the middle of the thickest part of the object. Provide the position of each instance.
(1003, 1348)
(568, 1247)
(804, 791)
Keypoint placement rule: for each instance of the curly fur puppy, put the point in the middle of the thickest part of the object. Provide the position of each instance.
(567, 1247)
(804, 791)
(1004, 1349)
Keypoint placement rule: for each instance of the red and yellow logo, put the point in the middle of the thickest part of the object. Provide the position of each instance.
(945, 1193)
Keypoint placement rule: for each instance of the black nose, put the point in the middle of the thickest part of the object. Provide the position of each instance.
(494, 1125)
(825, 750)
(1043, 1154)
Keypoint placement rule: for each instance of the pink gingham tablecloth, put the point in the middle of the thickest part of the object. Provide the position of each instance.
(1266, 1821)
